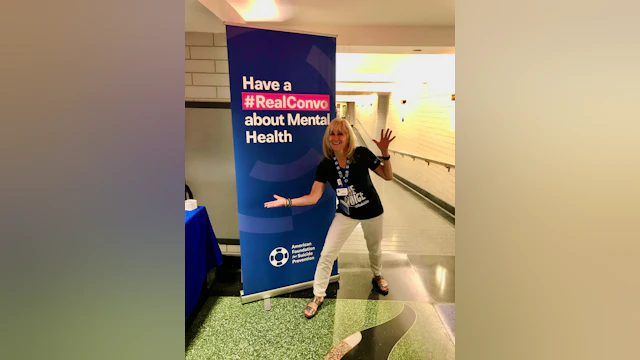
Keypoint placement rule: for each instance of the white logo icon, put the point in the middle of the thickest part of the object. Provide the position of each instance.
(279, 256)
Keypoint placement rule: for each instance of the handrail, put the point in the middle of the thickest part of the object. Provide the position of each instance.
(402, 153)
(445, 164)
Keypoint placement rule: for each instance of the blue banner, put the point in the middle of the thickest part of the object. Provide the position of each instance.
(282, 99)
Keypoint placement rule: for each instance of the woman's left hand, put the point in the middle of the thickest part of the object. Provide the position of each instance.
(383, 143)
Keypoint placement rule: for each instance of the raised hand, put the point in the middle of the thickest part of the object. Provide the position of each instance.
(383, 143)
(278, 202)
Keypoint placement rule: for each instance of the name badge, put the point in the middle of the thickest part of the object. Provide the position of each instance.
(342, 192)
(339, 182)
(344, 207)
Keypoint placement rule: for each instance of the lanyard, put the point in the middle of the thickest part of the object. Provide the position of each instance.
(346, 177)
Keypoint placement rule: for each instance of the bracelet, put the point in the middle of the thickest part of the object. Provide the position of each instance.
(288, 202)
(385, 157)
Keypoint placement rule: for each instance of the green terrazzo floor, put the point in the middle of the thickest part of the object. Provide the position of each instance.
(226, 329)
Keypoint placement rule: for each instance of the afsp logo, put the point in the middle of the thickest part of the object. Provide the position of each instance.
(279, 256)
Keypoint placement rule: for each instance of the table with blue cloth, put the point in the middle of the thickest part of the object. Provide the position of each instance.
(202, 253)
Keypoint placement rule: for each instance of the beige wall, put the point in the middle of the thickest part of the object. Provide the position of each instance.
(209, 166)
(206, 75)
(210, 169)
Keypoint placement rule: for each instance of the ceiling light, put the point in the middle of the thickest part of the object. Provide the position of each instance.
(258, 10)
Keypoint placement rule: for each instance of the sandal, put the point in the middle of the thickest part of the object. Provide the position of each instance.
(380, 284)
(311, 310)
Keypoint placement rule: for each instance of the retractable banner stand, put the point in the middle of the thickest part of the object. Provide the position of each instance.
(282, 100)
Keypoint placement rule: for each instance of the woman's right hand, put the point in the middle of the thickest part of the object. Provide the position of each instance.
(278, 202)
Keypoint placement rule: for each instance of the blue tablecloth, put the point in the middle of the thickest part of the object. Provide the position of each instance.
(202, 253)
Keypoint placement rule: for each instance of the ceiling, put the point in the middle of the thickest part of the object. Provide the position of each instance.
(351, 12)
(361, 26)
(391, 68)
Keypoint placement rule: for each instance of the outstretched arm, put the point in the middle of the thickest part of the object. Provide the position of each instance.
(311, 199)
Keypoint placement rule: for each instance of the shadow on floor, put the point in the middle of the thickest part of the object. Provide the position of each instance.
(410, 278)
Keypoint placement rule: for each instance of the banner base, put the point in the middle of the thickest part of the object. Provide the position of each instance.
(280, 291)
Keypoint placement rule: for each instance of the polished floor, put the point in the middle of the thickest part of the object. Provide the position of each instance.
(416, 320)
(412, 224)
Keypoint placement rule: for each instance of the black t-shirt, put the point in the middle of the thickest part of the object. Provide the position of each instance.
(364, 202)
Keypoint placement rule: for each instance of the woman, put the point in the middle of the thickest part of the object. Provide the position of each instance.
(346, 167)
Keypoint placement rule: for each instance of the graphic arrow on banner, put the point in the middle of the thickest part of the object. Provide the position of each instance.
(321, 62)
(286, 172)
(256, 225)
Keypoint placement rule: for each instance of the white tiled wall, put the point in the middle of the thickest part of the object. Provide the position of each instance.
(425, 132)
(206, 67)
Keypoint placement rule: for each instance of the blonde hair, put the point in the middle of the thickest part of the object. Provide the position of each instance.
(345, 127)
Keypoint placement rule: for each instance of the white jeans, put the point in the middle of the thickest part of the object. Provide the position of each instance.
(339, 232)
